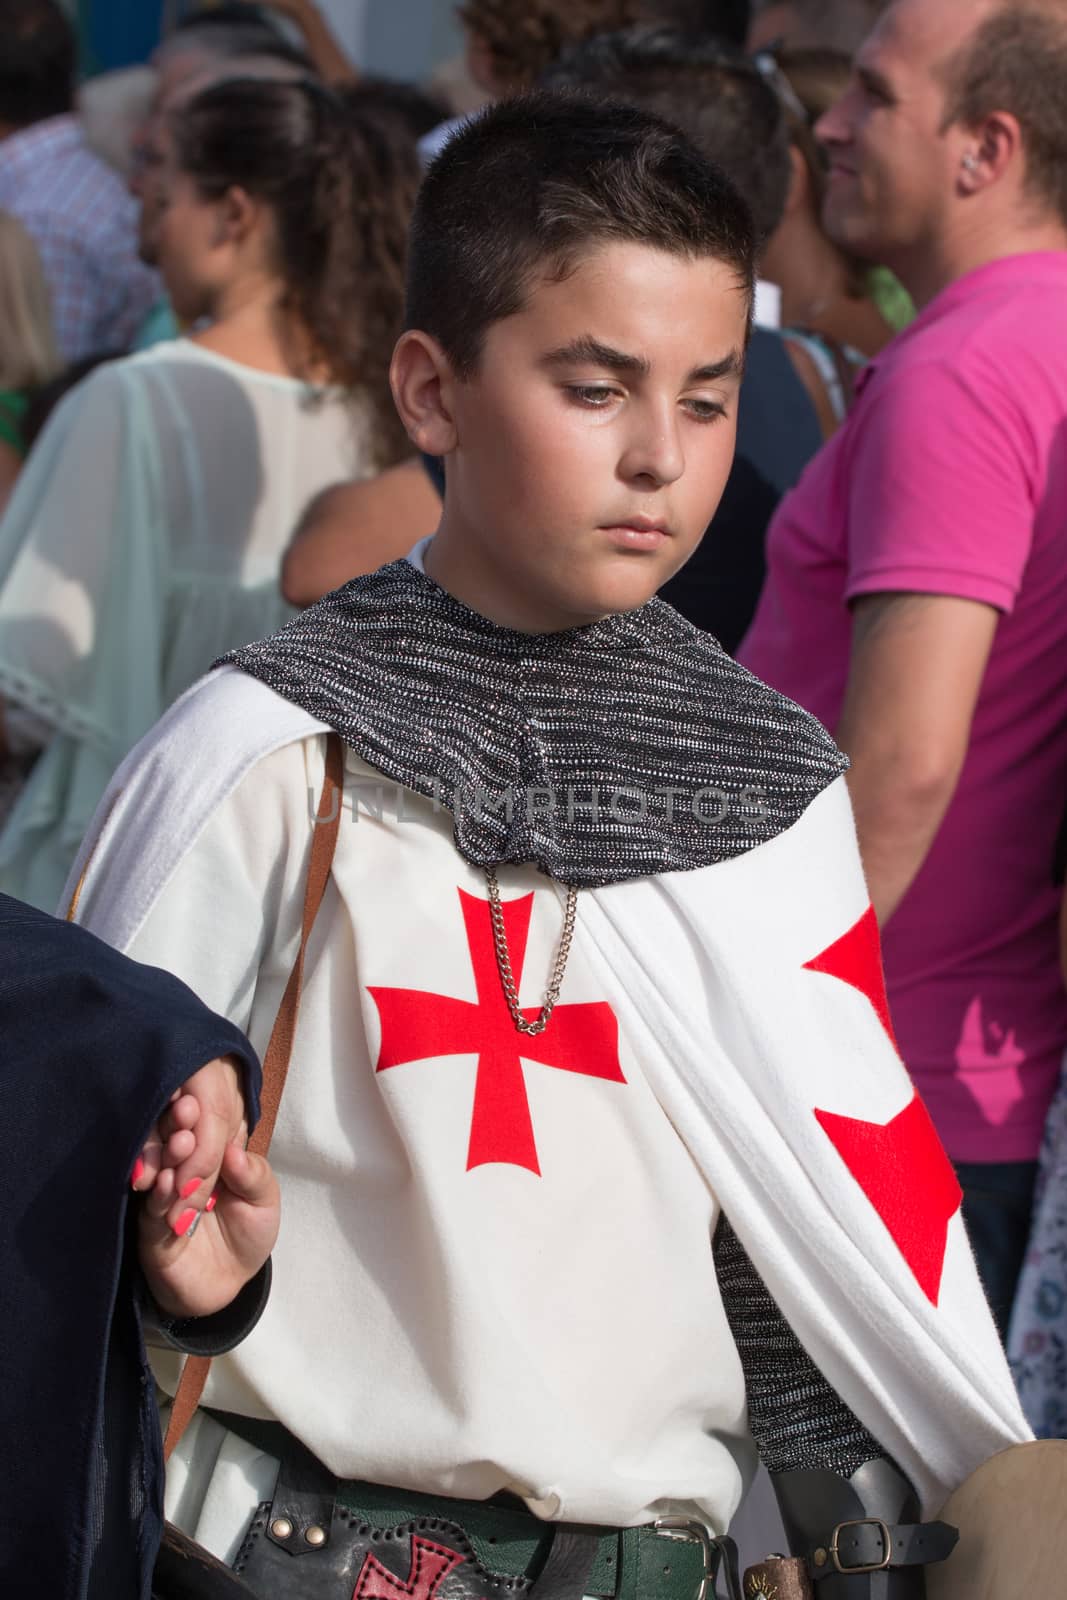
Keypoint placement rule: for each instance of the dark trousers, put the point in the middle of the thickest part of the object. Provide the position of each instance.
(998, 1199)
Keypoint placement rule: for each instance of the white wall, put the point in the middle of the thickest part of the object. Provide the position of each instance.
(348, 20)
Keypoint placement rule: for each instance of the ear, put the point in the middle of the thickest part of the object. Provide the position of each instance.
(423, 383)
(238, 217)
(990, 149)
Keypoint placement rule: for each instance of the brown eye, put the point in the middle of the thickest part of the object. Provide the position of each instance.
(706, 410)
(593, 395)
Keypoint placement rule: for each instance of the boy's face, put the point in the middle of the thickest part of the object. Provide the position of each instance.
(593, 443)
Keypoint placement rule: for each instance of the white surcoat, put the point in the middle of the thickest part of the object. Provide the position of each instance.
(494, 1268)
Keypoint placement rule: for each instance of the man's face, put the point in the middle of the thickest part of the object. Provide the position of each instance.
(894, 168)
(596, 437)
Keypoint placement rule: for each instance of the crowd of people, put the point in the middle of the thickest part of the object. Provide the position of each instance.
(282, 347)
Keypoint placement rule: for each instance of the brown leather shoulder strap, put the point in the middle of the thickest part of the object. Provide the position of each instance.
(280, 1048)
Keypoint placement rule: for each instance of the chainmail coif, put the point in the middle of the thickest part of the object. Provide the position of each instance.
(629, 747)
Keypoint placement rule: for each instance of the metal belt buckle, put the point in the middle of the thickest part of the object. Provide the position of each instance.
(692, 1532)
(874, 1566)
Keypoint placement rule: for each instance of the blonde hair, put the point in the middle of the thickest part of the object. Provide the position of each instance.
(28, 353)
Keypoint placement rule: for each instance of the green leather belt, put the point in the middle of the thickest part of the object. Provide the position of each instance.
(652, 1562)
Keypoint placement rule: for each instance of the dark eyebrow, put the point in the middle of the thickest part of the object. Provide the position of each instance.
(731, 366)
(589, 350)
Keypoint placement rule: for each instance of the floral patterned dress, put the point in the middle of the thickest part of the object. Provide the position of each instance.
(1037, 1338)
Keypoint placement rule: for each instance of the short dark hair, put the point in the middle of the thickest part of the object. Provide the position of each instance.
(532, 185)
(710, 89)
(1016, 61)
(37, 62)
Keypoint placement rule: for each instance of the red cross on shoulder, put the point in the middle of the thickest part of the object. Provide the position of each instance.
(419, 1026)
(900, 1165)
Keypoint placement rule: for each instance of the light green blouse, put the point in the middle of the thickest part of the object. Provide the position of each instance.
(144, 538)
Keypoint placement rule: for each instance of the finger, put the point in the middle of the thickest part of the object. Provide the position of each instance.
(247, 1177)
(161, 1197)
(215, 1091)
(147, 1164)
(160, 1246)
(201, 1161)
(179, 1148)
(183, 1112)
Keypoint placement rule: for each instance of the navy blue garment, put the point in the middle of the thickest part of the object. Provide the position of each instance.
(778, 432)
(92, 1045)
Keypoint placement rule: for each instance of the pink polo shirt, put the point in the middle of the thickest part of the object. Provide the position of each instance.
(950, 477)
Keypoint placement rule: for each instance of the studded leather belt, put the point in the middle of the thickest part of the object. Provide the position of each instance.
(323, 1537)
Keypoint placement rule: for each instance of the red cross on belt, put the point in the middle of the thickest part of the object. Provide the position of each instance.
(430, 1565)
(418, 1026)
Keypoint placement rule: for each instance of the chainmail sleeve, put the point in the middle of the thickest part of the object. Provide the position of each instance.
(798, 1421)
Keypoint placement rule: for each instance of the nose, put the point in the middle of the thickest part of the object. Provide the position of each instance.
(654, 455)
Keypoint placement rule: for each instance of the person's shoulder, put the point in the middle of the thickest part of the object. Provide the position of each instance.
(243, 712)
(1011, 308)
(787, 756)
(768, 712)
(225, 729)
(222, 727)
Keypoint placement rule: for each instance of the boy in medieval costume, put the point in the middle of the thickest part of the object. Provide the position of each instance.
(600, 1170)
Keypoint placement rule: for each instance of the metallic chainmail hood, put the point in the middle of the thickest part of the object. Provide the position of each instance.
(629, 747)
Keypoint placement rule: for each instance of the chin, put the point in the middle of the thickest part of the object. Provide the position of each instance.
(853, 228)
(624, 592)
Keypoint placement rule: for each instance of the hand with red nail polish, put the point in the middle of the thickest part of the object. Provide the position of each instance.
(204, 1115)
(196, 1261)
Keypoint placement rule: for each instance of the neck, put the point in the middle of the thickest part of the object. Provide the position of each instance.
(805, 265)
(814, 278)
(475, 585)
(930, 268)
(249, 325)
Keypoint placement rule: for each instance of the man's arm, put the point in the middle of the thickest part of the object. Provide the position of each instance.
(916, 668)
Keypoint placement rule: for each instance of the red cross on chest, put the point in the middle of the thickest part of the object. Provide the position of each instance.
(419, 1026)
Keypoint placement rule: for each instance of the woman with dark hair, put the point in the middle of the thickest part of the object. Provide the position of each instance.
(146, 533)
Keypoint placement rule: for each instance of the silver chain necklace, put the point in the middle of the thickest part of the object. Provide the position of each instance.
(503, 959)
